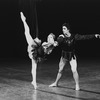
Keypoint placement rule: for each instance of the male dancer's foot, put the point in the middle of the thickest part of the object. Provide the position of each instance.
(77, 88)
(34, 84)
(53, 85)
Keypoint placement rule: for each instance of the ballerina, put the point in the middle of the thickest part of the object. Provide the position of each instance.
(36, 49)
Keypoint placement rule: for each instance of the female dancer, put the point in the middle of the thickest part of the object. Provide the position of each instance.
(36, 49)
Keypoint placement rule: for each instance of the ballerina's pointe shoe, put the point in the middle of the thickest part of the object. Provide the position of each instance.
(22, 16)
(34, 84)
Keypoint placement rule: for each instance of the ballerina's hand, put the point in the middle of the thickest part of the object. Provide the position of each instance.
(55, 44)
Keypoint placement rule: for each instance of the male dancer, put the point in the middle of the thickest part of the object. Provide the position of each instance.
(67, 43)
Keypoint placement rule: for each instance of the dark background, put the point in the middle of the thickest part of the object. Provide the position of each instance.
(82, 15)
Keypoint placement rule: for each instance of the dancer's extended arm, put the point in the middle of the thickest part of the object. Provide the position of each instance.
(27, 31)
(84, 37)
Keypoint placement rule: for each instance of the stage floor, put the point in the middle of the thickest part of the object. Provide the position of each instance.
(15, 82)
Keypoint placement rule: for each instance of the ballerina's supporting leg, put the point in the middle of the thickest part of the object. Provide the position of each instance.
(33, 71)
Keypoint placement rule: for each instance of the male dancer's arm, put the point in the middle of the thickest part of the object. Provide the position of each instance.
(84, 37)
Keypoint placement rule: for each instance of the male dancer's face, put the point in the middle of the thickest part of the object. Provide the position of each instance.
(66, 31)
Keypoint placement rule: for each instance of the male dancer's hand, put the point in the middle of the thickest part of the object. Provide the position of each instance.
(97, 35)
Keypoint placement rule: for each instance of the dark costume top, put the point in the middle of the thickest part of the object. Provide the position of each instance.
(39, 52)
(67, 44)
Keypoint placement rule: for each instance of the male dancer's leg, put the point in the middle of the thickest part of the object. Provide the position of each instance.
(73, 64)
(61, 67)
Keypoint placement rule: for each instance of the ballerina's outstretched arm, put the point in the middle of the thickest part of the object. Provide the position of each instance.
(29, 39)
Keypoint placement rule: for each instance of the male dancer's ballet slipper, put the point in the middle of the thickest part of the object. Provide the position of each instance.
(53, 85)
(77, 88)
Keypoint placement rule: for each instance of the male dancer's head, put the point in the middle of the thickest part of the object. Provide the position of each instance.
(66, 29)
